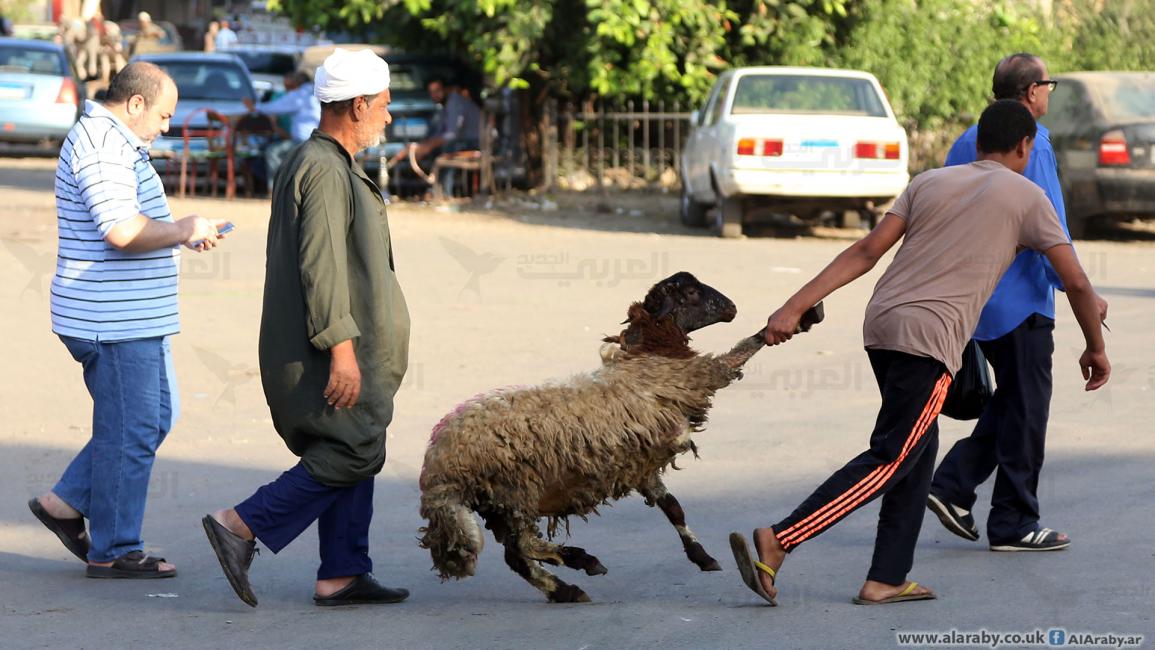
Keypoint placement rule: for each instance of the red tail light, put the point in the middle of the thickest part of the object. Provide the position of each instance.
(68, 93)
(749, 147)
(878, 150)
(1113, 149)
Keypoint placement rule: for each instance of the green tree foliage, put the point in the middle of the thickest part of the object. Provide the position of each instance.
(934, 57)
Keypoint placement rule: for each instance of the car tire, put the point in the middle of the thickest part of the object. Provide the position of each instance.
(693, 213)
(1077, 227)
(727, 222)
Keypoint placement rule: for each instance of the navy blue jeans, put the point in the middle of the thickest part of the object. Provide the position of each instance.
(134, 403)
(280, 511)
(1010, 436)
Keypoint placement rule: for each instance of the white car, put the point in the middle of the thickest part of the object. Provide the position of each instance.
(799, 141)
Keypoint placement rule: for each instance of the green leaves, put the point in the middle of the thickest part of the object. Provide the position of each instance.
(934, 57)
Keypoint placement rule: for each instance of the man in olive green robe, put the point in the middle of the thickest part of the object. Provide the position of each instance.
(333, 347)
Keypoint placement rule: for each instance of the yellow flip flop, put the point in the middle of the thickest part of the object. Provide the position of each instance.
(748, 567)
(906, 595)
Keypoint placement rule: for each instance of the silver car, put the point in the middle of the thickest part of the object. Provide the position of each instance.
(40, 95)
(219, 82)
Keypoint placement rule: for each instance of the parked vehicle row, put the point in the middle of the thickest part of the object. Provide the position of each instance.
(767, 140)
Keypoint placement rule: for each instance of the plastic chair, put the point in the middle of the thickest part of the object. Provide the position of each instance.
(216, 136)
(475, 165)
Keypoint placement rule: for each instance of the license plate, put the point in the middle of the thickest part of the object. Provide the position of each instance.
(410, 129)
(11, 91)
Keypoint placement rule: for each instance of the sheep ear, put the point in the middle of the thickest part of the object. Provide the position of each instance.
(635, 313)
(666, 308)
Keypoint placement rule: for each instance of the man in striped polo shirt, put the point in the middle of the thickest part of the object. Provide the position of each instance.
(114, 303)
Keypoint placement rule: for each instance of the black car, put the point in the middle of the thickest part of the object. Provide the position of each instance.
(1102, 127)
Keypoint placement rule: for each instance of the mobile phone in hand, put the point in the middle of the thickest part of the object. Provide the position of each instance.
(222, 229)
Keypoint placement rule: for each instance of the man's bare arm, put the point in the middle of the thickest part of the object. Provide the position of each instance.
(142, 234)
(850, 265)
(1093, 363)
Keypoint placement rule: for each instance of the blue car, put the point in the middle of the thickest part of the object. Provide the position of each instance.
(40, 95)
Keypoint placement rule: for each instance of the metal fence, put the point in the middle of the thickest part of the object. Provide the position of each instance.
(632, 145)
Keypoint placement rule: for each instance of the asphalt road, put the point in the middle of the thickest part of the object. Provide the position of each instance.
(520, 295)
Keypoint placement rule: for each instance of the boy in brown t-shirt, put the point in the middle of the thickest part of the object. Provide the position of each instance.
(961, 228)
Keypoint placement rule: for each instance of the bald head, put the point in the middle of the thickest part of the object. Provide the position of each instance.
(1015, 74)
(138, 78)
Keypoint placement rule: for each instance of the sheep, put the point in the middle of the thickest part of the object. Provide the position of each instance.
(516, 455)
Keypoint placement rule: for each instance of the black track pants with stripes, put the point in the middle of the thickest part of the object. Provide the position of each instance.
(898, 466)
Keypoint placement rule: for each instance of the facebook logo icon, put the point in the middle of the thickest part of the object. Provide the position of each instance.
(1056, 636)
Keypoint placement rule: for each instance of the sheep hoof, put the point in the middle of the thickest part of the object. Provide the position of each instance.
(596, 569)
(712, 565)
(568, 594)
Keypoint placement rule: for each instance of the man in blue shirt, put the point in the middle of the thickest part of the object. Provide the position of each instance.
(1016, 333)
(225, 38)
(303, 111)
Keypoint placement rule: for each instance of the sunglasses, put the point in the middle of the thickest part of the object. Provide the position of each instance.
(1050, 83)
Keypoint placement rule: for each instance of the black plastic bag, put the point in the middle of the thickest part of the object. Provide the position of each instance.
(972, 388)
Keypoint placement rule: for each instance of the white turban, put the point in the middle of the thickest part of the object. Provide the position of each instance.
(350, 73)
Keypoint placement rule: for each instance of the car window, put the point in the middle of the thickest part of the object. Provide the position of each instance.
(260, 62)
(411, 78)
(1066, 108)
(46, 62)
(804, 94)
(1128, 98)
(208, 80)
(708, 107)
(719, 107)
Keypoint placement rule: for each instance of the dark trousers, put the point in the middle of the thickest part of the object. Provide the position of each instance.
(280, 511)
(898, 466)
(1009, 435)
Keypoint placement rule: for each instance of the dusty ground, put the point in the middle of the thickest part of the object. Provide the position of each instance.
(522, 294)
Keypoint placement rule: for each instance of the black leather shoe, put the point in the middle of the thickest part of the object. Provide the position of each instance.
(235, 554)
(364, 590)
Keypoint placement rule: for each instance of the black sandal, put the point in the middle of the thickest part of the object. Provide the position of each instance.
(70, 531)
(134, 565)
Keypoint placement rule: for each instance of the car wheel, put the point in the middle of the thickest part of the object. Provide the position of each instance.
(1077, 227)
(727, 217)
(693, 213)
